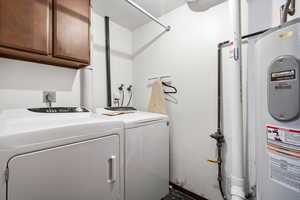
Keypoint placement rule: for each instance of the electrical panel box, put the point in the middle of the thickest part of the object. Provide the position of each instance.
(283, 92)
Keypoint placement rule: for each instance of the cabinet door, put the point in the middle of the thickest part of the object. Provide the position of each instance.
(24, 25)
(71, 30)
(87, 170)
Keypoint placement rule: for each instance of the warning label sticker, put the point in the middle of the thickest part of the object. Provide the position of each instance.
(283, 146)
(284, 135)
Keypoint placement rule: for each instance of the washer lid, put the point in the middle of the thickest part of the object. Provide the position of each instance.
(136, 119)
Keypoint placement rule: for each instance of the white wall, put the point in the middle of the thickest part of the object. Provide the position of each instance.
(22, 83)
(189, 54)
(121, 58)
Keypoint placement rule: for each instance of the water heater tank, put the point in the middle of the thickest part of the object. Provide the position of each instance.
(202, 5)
(277, 113)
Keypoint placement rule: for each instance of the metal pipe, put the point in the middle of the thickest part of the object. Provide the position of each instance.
(237, 179)
(108, 73)
(288, 9)
(138, 7)
(219, 136)
(292, 9)
(285, 11)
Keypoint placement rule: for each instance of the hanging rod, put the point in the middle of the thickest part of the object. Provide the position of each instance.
(135, 5)
(160, 78)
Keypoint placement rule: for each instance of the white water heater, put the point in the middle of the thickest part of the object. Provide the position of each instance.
(278, 113)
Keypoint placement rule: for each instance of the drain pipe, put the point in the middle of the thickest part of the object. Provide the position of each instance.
(237, 179)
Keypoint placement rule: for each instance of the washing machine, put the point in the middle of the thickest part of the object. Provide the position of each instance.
(146, 155)
(277, 113)
(60, 156)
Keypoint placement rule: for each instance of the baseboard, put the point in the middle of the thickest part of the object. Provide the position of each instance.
(187, 192)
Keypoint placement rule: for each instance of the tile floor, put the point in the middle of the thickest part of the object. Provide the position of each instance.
(175, 195)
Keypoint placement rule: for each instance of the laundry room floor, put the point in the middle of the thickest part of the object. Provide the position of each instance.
(176, 195)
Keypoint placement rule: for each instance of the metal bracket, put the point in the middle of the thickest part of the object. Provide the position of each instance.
(236, 54)
(168, 123)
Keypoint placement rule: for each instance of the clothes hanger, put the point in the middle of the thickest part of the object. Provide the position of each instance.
(169, 86)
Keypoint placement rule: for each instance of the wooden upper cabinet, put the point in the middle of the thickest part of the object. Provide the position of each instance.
(24, 25)
(71, 30)
(53, 32)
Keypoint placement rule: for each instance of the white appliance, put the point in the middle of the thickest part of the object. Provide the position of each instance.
(60, 156)
(146, 155)
(277, 113)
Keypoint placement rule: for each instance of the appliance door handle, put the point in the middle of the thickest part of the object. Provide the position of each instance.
(111, 170)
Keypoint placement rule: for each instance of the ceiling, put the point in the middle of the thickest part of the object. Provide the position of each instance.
(123, 14)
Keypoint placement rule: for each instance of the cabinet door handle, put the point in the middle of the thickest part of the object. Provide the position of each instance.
(111, 170)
